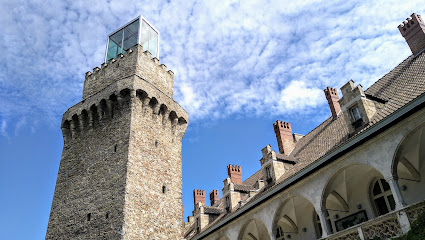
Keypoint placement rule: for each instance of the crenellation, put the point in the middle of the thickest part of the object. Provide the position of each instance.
(134, 62)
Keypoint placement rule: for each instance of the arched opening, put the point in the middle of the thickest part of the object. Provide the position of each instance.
(153, 103)
(254, 229)
(349, 198)
(408, 166)
(85, 118)
(294, 219)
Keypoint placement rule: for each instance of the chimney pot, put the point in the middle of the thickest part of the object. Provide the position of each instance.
(413, 31)
(284, 137)
(235, 173)
(213, 196)
(198, 196)
(333, 98)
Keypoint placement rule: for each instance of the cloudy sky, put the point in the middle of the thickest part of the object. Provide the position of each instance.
(239, 66)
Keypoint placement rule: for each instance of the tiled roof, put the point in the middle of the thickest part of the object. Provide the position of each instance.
(213, 210)
(401, 85)
(243, 188)
(254, 178)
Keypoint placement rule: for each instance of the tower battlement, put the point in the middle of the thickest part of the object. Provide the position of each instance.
(137, 62)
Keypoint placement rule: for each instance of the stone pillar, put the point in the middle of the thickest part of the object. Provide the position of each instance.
(395, 189)
(325, 228)
(404, 221)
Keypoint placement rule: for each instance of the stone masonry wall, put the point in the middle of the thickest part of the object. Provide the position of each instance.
(90, 179)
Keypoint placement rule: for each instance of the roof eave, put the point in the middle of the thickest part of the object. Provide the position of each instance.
(362, 137)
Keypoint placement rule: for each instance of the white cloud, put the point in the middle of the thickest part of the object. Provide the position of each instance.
(3, 128)
(268, 57)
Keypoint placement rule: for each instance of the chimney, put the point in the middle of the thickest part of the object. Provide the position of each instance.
(213, 196)
(235, 173)
(332, 97)
(198, 196)
(413, 31)
(284, 137)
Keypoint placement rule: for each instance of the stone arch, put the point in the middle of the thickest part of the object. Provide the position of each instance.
(113, 99)
(154, 104)
(125, 93)
(173, 116)
(85, 118)
(408, 165)
(163, 109)
(75, 123)
(347, 193)
(293, 219)
(94, 114)
(66, 128)
(254, 229)
(103, 108)
(182, 121)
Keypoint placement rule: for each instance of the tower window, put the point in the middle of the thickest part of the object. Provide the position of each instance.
(88, 217)
(156, 143)
(115, 148)
(107, 215)
(163, 189)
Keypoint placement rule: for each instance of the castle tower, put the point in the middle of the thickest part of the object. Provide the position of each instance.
(120, 175)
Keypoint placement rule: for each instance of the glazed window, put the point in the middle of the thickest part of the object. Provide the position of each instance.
(382, 197)
(355, 113)
(268, 174)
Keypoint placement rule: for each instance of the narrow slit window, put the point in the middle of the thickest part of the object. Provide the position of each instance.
(88, 217)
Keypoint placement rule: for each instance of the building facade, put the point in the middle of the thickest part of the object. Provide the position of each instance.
(126, 129)
(358, 175)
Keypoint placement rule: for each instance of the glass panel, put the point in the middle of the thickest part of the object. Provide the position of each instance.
(391, 202)
(129, 39)
(356, 113)
(376, 189)
(112, 51)
(381, 205)
(153, 40)
(134, 27)
(114, 46)
(130, 35)
(144, 41)
(385, 185)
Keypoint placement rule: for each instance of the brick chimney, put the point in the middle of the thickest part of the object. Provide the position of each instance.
(284, 137)
(235, 173)
(213, 196)
(413, 30)
(198, 196)
(332, 97)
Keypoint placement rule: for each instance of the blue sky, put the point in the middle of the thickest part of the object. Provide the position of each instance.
(239, 66)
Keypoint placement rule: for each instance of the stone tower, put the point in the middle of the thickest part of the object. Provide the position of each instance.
(120, 175)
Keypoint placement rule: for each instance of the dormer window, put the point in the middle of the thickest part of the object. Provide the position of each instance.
(268, 174)
(355, 113)
(227, 203)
